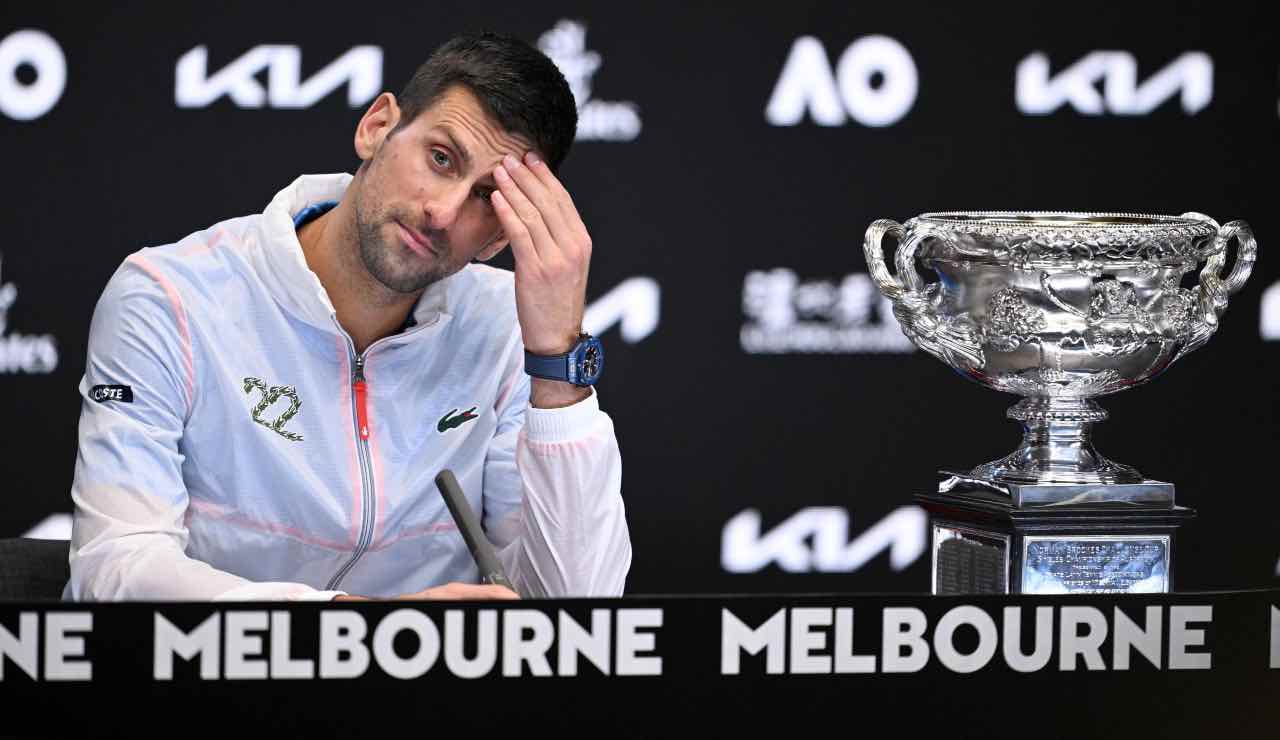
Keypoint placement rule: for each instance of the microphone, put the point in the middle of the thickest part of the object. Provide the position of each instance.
(479, 545)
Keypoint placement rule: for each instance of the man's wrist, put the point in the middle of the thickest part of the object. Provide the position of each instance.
(554, 347)
(555, 394)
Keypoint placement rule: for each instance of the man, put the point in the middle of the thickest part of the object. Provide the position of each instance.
(267, 402)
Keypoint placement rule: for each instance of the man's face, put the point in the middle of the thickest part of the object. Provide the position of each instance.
(423, 210)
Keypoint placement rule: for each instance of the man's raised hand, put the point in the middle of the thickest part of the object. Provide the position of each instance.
(552, 251)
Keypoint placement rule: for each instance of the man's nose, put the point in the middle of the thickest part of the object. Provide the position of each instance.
(443, 204)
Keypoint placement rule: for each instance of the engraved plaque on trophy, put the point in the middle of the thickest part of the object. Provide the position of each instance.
(1058, 308)
(1085, 552)
(1096, 564)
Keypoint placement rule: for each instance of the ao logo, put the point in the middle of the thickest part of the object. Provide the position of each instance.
(1038, 94)
(38, 51)
(360, 68)
(744, 549)
(875, 83)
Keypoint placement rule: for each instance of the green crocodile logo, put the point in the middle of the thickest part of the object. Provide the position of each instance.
(449, 421)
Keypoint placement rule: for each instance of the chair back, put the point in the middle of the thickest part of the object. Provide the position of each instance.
(33, 570)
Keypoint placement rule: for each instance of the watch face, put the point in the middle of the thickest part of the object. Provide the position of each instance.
(591, 361)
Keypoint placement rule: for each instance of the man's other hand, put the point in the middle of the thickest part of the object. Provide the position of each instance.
(448, 592)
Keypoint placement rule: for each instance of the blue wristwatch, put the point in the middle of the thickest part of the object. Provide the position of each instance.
(581, 365)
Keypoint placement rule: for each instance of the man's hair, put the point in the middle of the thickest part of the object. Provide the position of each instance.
(516, 84)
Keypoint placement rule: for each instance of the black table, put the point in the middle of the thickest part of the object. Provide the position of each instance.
(1176, 665)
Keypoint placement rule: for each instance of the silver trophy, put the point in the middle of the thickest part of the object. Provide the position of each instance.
(1061, 308)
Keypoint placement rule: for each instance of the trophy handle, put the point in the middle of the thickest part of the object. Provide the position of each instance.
(1212, 291)
(952, 342)
(873, 246)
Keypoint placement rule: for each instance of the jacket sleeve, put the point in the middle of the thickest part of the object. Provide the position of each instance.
(128, 533)
(553, 495)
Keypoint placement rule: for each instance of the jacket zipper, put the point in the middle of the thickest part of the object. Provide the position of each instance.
(360, 416)
(360, 420)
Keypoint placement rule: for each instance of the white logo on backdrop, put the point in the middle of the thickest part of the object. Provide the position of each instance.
(35, 354)
(785, 315)
(37, 50)
(874, 82)
(598, 120)
(1270, 324)
(1038, 94)
(52, 527)
(817, 539)
(635, 305)
(360, 69)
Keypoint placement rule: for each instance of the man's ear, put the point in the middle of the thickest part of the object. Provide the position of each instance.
(376, 124)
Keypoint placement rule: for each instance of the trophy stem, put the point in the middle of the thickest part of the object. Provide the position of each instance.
(1056, 447)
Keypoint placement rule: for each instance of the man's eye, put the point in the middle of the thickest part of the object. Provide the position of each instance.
(483, 194)
(441, 159)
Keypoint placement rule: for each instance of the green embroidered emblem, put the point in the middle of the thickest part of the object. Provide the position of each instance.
(270, 396)
(449, 421)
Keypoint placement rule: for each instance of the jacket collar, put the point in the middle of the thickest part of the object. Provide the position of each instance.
(284, 269)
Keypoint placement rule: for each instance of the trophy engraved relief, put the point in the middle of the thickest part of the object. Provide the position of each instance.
(1058, 308)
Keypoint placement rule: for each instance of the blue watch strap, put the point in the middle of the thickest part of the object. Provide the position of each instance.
(581, 365)
(550, 367)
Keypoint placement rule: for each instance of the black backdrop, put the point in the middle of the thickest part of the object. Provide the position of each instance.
(742, 469)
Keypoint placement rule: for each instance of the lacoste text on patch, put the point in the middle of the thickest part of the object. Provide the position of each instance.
(104, 393)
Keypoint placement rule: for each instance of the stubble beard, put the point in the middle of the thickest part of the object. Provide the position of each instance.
(391, 263)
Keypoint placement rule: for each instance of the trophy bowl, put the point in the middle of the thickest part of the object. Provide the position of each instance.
(1059, 308)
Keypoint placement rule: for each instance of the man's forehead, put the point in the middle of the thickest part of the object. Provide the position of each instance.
(458, 115)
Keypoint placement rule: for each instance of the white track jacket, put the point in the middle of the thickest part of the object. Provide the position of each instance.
(234, 446)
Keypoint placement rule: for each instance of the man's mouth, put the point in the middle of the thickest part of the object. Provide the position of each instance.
(416, 241)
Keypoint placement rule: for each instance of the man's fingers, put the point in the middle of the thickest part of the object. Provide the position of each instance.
(548, 203)
(488, 591)
(564, 201)
(464, 592)
(526, 213)
(514, 228)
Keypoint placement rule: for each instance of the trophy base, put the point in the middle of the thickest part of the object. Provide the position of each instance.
(1146, 493)
(1057, 446)
(983, 544)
